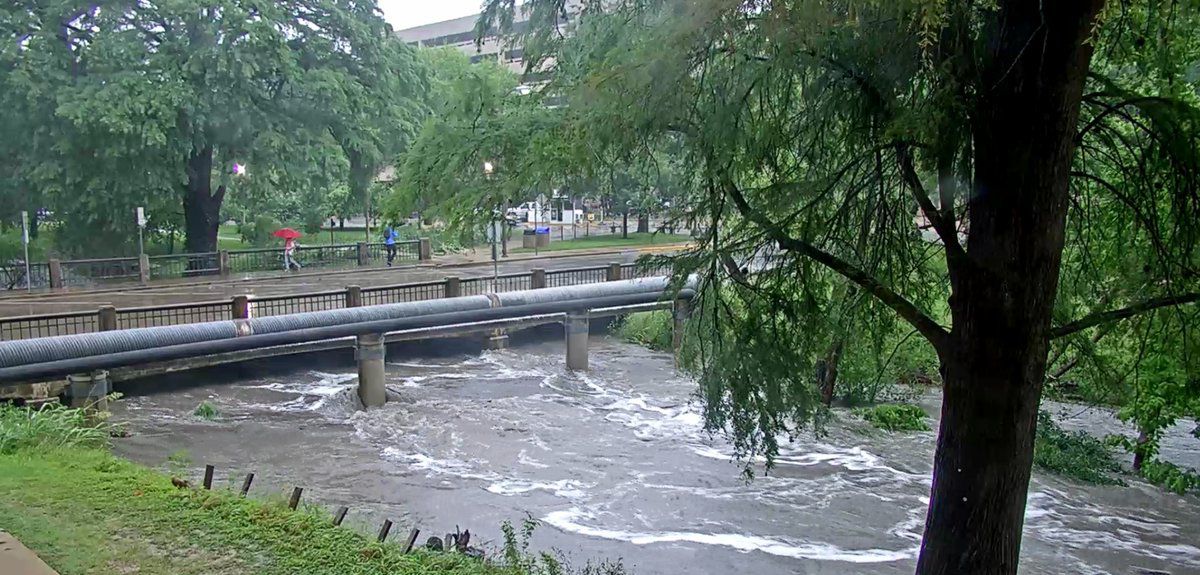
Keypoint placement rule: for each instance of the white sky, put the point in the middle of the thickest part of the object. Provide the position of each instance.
(408, 13)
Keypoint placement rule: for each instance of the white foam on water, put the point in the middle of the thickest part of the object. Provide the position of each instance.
(434, 466)
(524, 459)
(854, 459)
(566, 488)
(1056, 518)
(568, 521)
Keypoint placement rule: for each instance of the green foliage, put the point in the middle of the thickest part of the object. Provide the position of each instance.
(652, 329)
(258, 233)
(1170, 476)
(894, 417)
(47, 427)
(518, 560)
(1073, 454)
(206, 410)
(148, 104)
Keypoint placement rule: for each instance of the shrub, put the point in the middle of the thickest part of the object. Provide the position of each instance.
(1073, 454)
(652, 329)
(49, 426)
(206, 410)
(895, 417)
(1170, 476)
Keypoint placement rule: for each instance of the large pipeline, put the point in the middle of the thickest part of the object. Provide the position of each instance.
(47, 349)
(64, 355)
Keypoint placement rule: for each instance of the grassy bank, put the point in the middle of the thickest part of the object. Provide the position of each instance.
(85, 511)
(602, 241)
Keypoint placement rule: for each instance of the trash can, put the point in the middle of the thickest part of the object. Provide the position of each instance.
(543, 237)
(528, 239)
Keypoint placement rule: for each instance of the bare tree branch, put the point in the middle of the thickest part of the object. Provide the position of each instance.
(945, 228)
(931, 330)
(1098, 318)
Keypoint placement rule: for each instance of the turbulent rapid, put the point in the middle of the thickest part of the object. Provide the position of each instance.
(615, 463)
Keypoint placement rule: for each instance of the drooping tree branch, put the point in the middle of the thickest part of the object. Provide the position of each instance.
(931, 330)
(1095, 319)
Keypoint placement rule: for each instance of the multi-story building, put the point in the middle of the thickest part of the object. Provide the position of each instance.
(460, 33)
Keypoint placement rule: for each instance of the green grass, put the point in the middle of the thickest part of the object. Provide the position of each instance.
(228, 237)
(86, 511)
(601, 241)
(894, 417)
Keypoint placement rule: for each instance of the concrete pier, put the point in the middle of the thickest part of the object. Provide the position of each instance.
(497, 340)
(576, 327)
(88, 390)
(369, 352)
(679, 313)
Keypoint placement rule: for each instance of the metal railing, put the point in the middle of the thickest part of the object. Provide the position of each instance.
(44, 325)
(89, 272)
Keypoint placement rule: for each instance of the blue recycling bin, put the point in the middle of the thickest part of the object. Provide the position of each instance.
(543, 236)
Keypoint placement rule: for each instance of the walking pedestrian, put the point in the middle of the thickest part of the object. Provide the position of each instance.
(289, 254)
(389, 243)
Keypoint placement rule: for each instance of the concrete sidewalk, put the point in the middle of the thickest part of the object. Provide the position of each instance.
(17, 559)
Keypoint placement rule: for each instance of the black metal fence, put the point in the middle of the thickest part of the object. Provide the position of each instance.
(89, 272)
(25, 327)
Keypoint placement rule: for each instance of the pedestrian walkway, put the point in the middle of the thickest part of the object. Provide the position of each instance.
(17, 559)
(280, 284)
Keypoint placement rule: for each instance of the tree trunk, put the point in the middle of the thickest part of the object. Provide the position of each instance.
(643, 222)
(625, 225)
(201, 206)
(827, 372)
(1139, 451)
(993, 363)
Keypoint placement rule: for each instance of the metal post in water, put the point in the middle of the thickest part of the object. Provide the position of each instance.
(370, 354)
(576, 326)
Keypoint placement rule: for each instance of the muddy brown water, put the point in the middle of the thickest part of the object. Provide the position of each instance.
(614, 464)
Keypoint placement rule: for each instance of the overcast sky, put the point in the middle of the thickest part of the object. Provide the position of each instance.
(408, 13)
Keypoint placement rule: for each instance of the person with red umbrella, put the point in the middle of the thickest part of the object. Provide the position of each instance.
(289, 247)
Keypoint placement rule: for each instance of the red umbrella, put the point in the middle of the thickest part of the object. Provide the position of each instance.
(286, 233)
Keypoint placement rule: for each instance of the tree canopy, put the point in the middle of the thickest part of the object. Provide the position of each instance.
(119, 104)
(1014, 182)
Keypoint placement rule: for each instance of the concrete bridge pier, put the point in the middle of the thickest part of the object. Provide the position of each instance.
(497, 339)
(576, 327)
(369, 352)
(88, 391)
(679, 313)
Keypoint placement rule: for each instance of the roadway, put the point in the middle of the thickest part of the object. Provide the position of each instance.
(215, 289)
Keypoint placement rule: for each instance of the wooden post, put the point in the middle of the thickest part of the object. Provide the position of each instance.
(364, 256)
(144, 268)
(239, 308)
(412, 539)
(246, 483)
(56, 279)
(295, 500)
(681, 310)
(223, 263)
(614, 272)
(453, 286)
(424, 250)
(383, 530)
(537, 278)
(106, 319)
(208, 475)
(353, 296)
(339, 515)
